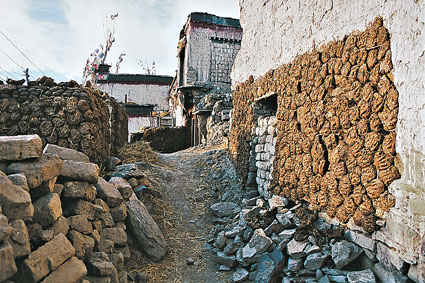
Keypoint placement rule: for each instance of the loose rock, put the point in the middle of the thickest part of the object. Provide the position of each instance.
(146, 232)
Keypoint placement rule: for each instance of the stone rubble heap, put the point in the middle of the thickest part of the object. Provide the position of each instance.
(61, 222)
(278, 241)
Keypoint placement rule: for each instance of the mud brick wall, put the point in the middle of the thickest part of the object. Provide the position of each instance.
(166, 140)
(77, 118)
(337, 111)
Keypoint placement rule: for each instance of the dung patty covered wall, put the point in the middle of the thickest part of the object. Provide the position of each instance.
(337, 111)
(78, 118)
(275, 32)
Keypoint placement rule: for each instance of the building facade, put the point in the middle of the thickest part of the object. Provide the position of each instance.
(207, 47)
(141, 95)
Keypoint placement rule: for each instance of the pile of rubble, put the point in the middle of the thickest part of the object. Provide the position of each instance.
(61, 222)
(278, 241)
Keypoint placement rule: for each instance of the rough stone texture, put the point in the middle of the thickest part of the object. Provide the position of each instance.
(83, 207)
(80, 171)
(78, 189)
(345, 252)
(70, 272)
(269, 265)
(116, 235)
(240, 275)
(315, 261)
(145, 231)
(123, 187)
(20, 239)
(108, 193)
(258, 244)
(364, 276)
(80, 223)
(5, 229)
(227, 260)
(75, 117)
(119, 213)
(263, 147)
(296, 249)
(19, 180)
(47, 209)
(83, 244)
(20, 147)
(37, 171)
(388, 274)
(223, 209)
(292, 29)
(14, 201)
(47, 258)
(61, 225)
(66, 153)
(295, 264)
(7, 262)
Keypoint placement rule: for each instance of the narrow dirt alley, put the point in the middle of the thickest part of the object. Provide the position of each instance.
(188, 182)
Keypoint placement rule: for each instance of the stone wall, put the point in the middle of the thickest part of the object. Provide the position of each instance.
(262, 154)
(289, 28)
(61, 222)
(77, 117)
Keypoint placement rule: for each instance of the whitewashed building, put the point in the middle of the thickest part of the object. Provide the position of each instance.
(140, 95)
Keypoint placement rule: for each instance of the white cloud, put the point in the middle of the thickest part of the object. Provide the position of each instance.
(60, 43)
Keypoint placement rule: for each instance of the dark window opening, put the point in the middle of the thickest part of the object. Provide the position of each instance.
(266, 105)
(181, 67)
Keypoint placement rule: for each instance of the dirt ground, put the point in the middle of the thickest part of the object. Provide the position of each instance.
(184, 216)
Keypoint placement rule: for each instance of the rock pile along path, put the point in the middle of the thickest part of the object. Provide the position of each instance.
(188, 181)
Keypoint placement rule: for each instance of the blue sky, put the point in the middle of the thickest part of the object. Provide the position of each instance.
(59, 35)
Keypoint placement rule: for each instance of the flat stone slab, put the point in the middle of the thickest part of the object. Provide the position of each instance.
(20, 147)
(47, 258)
(78, 189)
(296, 249)
(71, 271)
(43, 169)
(80, 171)
(145, 230)
(66, 153)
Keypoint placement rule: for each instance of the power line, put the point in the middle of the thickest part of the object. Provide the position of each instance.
(12, 60)
(1, 77)
(13, 76)
(22, 53)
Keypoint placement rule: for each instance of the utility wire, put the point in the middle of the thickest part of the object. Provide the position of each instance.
(13, 76)
(12, 60)
(22, 53)
(1, 77)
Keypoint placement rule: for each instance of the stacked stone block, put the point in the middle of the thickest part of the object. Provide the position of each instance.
(60, 221)
(263, 148)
